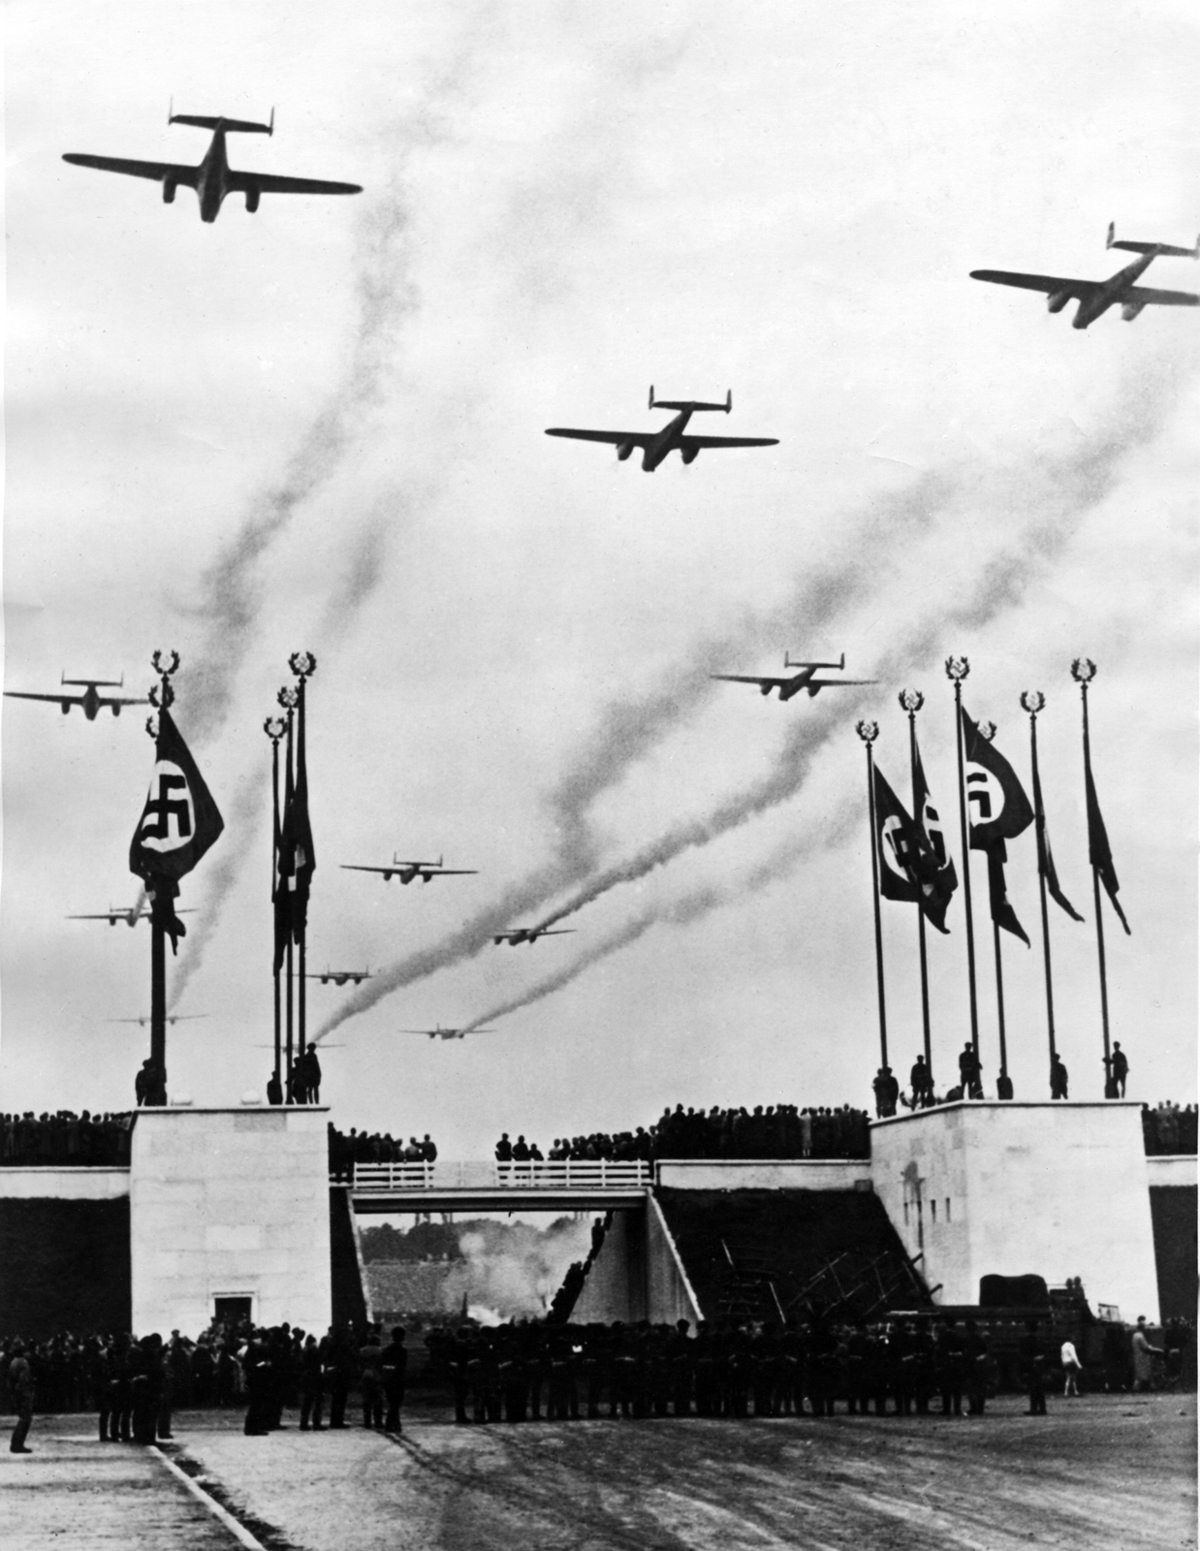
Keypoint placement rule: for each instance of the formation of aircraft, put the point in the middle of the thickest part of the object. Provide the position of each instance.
(440, 1033)
(407, 871)
(131, 917)
(172, 1018)
(339, 977)
(91, 701)
(1095, 297)
(656, 445)
(804, 679)
(530, 934)
(214, 178)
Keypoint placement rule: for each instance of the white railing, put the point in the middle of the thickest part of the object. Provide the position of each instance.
(558, 1175)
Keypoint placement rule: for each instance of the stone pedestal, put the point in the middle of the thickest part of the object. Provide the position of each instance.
(1056, 1189)
(229, 1203)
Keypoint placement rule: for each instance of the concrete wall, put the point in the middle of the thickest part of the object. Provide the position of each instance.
(669, 1294)
(638, 1274)
(766, 1174)
(1057, 1189)
(229, 1203)
(54, 1184)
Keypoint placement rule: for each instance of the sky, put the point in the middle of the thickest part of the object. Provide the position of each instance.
(320, 427)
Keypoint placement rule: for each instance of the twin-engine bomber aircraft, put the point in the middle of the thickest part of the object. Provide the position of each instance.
(407, 871)
(440, 1033)
(1097, 296)
(803, 680)
(91, 701)
(131, 917)
(530, 934)
(339, 977)
(214, 178)
(655, 445)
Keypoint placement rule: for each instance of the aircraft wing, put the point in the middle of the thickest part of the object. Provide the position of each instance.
(617, 438)
(267, 183)
(697, 442)
(25, 694)
(836, 683)
(119, 700)
(454, 872)
(742, 678)
(358, 867)
(1147, 294)
(1048, 283)
(160, 172)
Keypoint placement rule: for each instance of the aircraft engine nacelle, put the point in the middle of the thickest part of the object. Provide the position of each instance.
(690, 454)
(168, 192)
(1131, 310)
(624, 450)
(116, 710)
(66, 706)
(1058, 300)
(253, 195)
(387, 877)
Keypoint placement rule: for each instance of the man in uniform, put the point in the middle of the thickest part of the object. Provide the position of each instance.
(20, 1387)
(1119, 1067)
(370, 1356)
(970, 1072)
(1033, 1360)
(1058, 1077)
(976, 1353)
(922, 1084)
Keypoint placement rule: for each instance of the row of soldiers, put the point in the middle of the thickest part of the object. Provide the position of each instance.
(519, 1372)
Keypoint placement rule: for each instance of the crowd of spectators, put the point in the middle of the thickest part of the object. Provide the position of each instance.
(771, 1131)
(1168, 1130)
(65, 1139)
(348, 1148)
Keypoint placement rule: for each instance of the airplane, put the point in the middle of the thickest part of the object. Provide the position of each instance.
(131, 917)
(172, 1017)
(340, 976)
(804, 679)
(214, 178)
(655, 445)
(407, 871)
(91, 701)
(440, 1033)
(1095, 297)
(530, 934)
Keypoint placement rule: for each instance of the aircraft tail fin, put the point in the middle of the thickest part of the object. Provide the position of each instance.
(691, 403)
(231, 125)
(1161, 248)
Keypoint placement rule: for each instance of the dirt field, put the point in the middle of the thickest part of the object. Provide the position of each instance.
(1100, 1472)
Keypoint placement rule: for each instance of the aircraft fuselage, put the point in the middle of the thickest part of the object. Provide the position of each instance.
(212, 183)
(666, 441)
(1109, 295)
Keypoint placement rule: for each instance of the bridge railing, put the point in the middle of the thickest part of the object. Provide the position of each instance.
(563, 1174)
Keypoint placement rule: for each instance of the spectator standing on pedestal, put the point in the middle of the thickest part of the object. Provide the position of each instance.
(1119, 1067)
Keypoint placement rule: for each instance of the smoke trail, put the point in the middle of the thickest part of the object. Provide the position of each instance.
(1070, 486)
(689, 907)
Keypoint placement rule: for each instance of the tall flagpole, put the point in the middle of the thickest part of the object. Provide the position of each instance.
(957, 669)
(287, 698)
(868, 732)
(1003, 1084)
(161, 697)
(911, 701)
(1083, 671)
(1032, 700)
(303, 665)
(275, 727)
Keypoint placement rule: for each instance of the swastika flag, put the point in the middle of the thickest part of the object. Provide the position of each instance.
(997, 806)
(179, 820)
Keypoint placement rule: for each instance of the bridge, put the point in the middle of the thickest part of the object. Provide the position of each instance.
(568, 1185)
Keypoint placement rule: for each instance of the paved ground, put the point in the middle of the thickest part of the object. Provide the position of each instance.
(1105, 1473)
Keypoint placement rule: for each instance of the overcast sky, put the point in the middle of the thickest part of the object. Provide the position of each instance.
(320, 427)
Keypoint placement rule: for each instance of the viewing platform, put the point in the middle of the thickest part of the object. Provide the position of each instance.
(568, 1186)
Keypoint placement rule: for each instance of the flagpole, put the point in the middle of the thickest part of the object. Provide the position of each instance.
(1083, 670)
(868, 732)
(911, 701)
(275, 727)
(957, 669)
(288, 699)
(987, 731)
(161, 697)
(1032, 700)
(303, 665)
